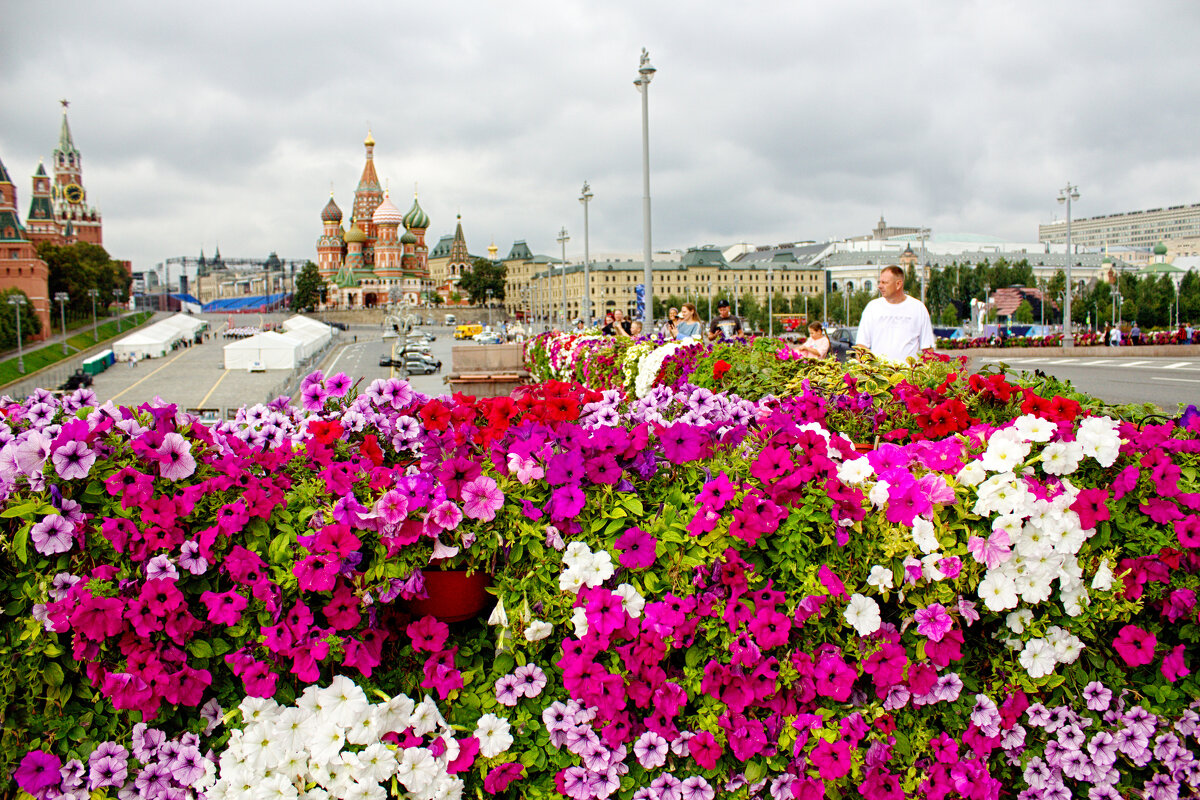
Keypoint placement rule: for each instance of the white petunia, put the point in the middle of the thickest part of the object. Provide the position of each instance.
(855, 471)
(1017, 620)
(972, 474)
(1034, 429)
(571, 580)
(499, 615)
(325, 742)
(537, 630)
(880, 577)
(879, 494)
(378, 761)
(579, 622)
(426, 718)
(417, 769)
(1003, 454)
(924, 535)
(577, 554)
(395, 714)
(631, 600)
(1102, 581)
(1099, 439)
(343, 701)
(862, 614)
(1038, 658)
(1061, 458)
(998, 591)
(599, 569)
(493, 735)
(929, 569)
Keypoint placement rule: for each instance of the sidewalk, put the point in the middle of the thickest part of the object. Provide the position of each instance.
(1095, 351)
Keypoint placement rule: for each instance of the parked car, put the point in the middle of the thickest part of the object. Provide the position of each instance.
(341, 326)
(489, 337)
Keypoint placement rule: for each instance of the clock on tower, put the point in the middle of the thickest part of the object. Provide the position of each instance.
(74, 193)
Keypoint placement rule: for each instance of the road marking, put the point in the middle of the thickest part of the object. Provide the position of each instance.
(1097, 362)
(1132, 364)
(1177, 380)
(1177, 365)
(213, 389)
(148, 377)
(1063, 361)
(1033, 360)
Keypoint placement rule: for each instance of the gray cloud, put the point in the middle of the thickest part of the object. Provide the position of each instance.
(227, 122)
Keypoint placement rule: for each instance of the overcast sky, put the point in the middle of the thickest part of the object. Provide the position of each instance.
(228, 122)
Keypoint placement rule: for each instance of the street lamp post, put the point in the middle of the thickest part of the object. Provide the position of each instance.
(18, 300)
(586, 197)
(117, 298)
(61, 298)
(489, 305)
(93, 293)
(563, 239)
(710, 299)
(645, 74)
(924, 266)
(1066, 195)
(737, 291)
(770, 301)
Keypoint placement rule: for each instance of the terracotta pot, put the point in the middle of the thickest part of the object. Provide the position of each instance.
(453, 595)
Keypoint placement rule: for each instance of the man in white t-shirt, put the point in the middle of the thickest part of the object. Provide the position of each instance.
(894, 325)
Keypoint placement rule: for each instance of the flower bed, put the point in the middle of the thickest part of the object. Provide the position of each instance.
(697, 594)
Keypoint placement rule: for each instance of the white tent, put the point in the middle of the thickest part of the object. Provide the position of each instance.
(315, 335)
(271, 350)
(186, 324)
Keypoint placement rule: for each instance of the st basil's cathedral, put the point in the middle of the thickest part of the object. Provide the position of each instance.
(370, 260)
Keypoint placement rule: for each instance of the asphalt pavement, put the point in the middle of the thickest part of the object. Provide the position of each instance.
(1164, 381)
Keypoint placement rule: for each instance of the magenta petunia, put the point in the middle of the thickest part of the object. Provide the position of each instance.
(933, 622)
(175, 460)
(498, 778)
(1173, 665)
(637, 548)
(38, 772)
(1135, 645)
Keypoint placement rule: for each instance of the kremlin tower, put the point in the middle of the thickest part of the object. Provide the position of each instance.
(371, 260)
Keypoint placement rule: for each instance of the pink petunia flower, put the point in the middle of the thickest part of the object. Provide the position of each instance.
(482, 498)
(175, 460)
(1173, 666)
(1135, 645)
(498, 778)
(73, 460)
(933, 622)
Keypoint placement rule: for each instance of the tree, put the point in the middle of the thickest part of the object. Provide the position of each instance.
(1024, 313)
(484, 275)
(80, 267)
(30, 324)
(307, 293)
(949, 316)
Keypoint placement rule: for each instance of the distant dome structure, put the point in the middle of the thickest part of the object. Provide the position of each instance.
(1160, 249)
(331, 213)
(416, 217)
(387, 213)
(408, 238)
(355, 234)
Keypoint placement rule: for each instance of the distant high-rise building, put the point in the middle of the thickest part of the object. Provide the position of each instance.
(1142, 229)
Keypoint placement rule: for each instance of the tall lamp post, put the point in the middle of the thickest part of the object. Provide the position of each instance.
(563, 239)
(924, 266)
(1066, 195)
(93, 293)
(770, 301)
(645, 74)
(61, 298)
(117, 298)
(489, 305)
(18, 300)
(586, 197)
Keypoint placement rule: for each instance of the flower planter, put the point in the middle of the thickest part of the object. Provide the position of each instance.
(454, 595)
(864, 447)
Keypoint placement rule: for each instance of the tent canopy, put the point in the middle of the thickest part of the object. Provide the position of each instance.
(271, 350)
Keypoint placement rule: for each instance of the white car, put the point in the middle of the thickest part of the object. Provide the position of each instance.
(489, 337)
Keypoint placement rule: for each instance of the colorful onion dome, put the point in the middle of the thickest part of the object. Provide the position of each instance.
(416, 218)
(355, 234)
(331, 213)
(386, 213)
(408, 238)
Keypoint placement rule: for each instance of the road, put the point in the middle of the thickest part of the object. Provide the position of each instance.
(360, 359)
(1165, 382)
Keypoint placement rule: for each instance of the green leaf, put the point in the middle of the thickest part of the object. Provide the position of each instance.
(54, 674)
(20, 510)
(21, 544)
(200, 648)
(755, 771)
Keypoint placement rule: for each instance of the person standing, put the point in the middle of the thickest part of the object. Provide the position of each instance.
(668, 328)
(1135, 334)
(687, 327)
(726, 326)
(1114, 336)
(895, 325)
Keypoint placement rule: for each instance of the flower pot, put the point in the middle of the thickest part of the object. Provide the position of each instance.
(864, 447)
(454, 596)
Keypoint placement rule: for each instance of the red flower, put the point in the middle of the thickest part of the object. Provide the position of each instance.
(720, 368)
(435, 416)
(325, 432)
